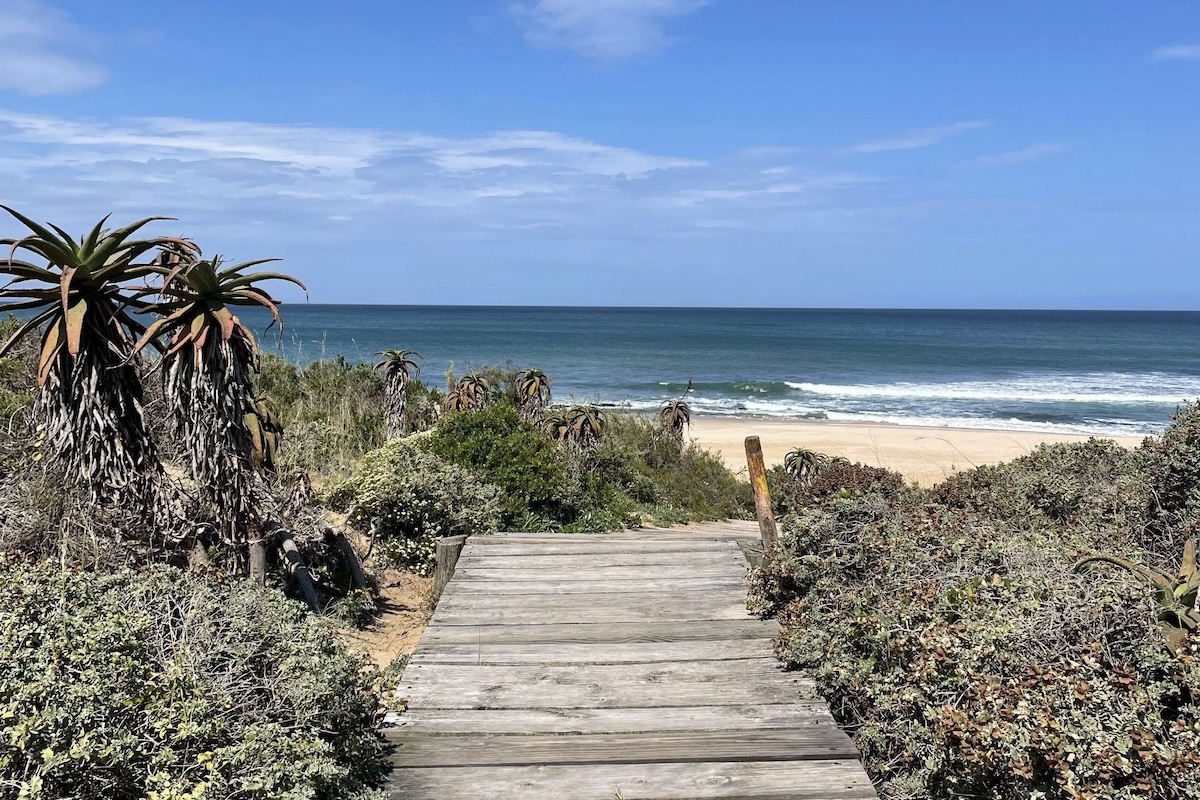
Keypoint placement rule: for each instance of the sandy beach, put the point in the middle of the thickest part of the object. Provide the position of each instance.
(923, 454)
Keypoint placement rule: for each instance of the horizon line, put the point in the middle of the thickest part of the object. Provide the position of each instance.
(514, 306)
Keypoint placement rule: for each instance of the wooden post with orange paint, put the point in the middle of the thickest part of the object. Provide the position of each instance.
(762, 495)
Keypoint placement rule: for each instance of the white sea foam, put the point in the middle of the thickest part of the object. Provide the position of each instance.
(1106, 388)
(1103, 404)
(784, 410)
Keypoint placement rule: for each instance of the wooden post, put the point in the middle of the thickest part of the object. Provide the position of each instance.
(258, 562)
(445, 558)
(762, 495)
(198, 560)
(357, 577)
(299, 570)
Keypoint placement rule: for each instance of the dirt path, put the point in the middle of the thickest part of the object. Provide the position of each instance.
(404, 602)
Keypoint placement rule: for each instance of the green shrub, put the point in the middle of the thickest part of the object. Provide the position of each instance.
(840, 477)
(1084, 484)
(411, 498)
(155, 685)
(684, 483)
(633, 472)
(511, 454)
(332, 412)
(950, 633)
(1173, 470)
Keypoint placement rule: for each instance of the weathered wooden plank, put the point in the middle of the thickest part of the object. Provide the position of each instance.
(594, 653)
(505, 609)
(747, 780)
(575, 586)
(465, 572)
(732, 557)
(611, 665)
(695, 600)
(618, 720)
(753, 551)
(814, 743)
(631, 538)
(644, 534)
(737, 683)
(440, 633)
(623, 592)
(477, 546)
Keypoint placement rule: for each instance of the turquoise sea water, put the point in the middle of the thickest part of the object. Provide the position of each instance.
(1099, 372)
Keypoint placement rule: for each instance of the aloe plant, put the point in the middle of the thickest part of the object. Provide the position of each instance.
(89, 390)
(533, 393)
(556, 426)
(471, 392)
(266, 433)
(674, 416)
(804, 465)
(578, 425)
(1176, 595)
(207, 379)
(398, 368)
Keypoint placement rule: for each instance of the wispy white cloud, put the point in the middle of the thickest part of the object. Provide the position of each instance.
(42, 52)
(913, 140)
(603, 30)
(815, 187)
(1177, 52)
(324, 151)
(399, 202)
(1012, 158)
(266, 183)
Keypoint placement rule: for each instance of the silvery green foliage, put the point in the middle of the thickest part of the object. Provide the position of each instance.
(158, 685)
(951, 630)
(410, 499)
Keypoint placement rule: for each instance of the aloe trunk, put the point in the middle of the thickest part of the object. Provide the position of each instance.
(209, 396)
(95, 424)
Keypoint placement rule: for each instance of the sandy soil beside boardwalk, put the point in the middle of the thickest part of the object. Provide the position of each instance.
(926, 455)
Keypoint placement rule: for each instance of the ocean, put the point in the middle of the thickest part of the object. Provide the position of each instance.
(1099, 372)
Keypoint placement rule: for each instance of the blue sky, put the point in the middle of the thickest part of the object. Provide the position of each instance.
(631, 152)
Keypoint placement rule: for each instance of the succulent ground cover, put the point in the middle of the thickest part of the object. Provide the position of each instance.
(961, 636)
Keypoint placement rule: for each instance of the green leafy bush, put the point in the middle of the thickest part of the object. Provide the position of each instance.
(1173, 469)
(511, 454)
(411, 498)
(155, 685)
(952, 636)
(634, 471)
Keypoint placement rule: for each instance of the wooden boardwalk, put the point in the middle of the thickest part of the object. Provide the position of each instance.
(610, 666)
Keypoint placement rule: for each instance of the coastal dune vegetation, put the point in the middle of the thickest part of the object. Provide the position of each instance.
(168, 491)
(1025, 630)
(171, 500)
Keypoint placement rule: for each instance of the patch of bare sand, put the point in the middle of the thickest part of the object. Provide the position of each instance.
(405, 605)
(923, 454)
